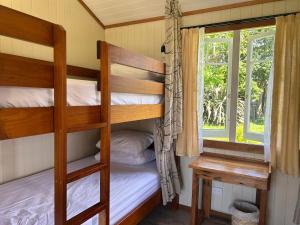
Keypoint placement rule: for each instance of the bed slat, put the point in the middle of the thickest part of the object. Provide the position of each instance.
(127, 113)
(21, 122)
(25, 27)
(82, 115)
(86, 127)
(87, 214)
(128, 58)
(78, 174)
(25, 72)
(129, 85)
(82, 72)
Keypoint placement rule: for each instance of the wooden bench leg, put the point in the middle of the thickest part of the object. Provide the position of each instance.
(195, 197)
(262, 203)
(206, 197)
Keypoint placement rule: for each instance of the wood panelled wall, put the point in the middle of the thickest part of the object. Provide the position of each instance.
(148, 37)
(25, 156)
(82, 30)
(145, 38)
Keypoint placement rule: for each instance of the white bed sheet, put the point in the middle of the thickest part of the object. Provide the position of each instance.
(29, 201)
(79, 93)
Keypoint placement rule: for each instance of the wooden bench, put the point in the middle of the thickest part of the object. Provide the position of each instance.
(228, 169)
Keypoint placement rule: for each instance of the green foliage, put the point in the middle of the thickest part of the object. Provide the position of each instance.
(215, 80)
(239, 132)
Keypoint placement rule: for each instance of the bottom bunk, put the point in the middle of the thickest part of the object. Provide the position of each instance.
(134, 191)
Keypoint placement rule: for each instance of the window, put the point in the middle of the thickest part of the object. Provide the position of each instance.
(217, 70)
(259, 65)
(237, 65)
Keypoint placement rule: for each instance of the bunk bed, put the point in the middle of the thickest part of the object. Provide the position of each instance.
(61, 117)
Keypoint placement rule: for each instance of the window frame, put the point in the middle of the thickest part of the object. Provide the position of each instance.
(249, 68)
(231, 107)
(221, 132)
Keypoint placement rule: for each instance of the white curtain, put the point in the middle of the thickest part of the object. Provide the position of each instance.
(285, 129)
(200, 87)
(268, 114)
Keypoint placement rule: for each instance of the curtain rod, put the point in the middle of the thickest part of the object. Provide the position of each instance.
(257, 19)
(234, 22)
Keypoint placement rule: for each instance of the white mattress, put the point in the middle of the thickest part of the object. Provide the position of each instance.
(29, 200)
(79, 93)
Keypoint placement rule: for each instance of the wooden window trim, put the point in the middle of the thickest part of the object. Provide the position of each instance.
(240, 26)
(234, 146)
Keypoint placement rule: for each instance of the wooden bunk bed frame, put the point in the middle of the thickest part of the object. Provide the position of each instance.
(62, 119)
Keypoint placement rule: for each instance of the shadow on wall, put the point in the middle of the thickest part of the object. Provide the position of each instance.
(143, 125)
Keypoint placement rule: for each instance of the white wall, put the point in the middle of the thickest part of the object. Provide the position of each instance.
(145, 38)
(148, 37)
(25, 156)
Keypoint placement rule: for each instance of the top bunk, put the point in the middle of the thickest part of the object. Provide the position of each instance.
(36, 93)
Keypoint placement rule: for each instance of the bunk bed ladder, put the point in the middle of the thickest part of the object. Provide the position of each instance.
(62, 177)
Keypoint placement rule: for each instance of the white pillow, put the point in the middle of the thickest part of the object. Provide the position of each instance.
(129, 141)
(98, 156)
(129, 159)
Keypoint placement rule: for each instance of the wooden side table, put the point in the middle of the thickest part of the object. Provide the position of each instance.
(233, 170)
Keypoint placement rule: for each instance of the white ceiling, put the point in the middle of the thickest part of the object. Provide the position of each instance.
(119, 11)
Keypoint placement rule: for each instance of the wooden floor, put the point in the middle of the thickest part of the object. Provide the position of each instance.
(182, 216)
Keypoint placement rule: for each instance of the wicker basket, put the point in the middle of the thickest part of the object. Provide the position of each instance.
(244, 213)
(237, 221)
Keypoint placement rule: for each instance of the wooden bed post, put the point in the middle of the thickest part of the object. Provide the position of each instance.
(104, 80)
(60, 104)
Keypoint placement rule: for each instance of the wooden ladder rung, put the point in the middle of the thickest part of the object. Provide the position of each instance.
(78, 174)
(86, 127)
(87, 214)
